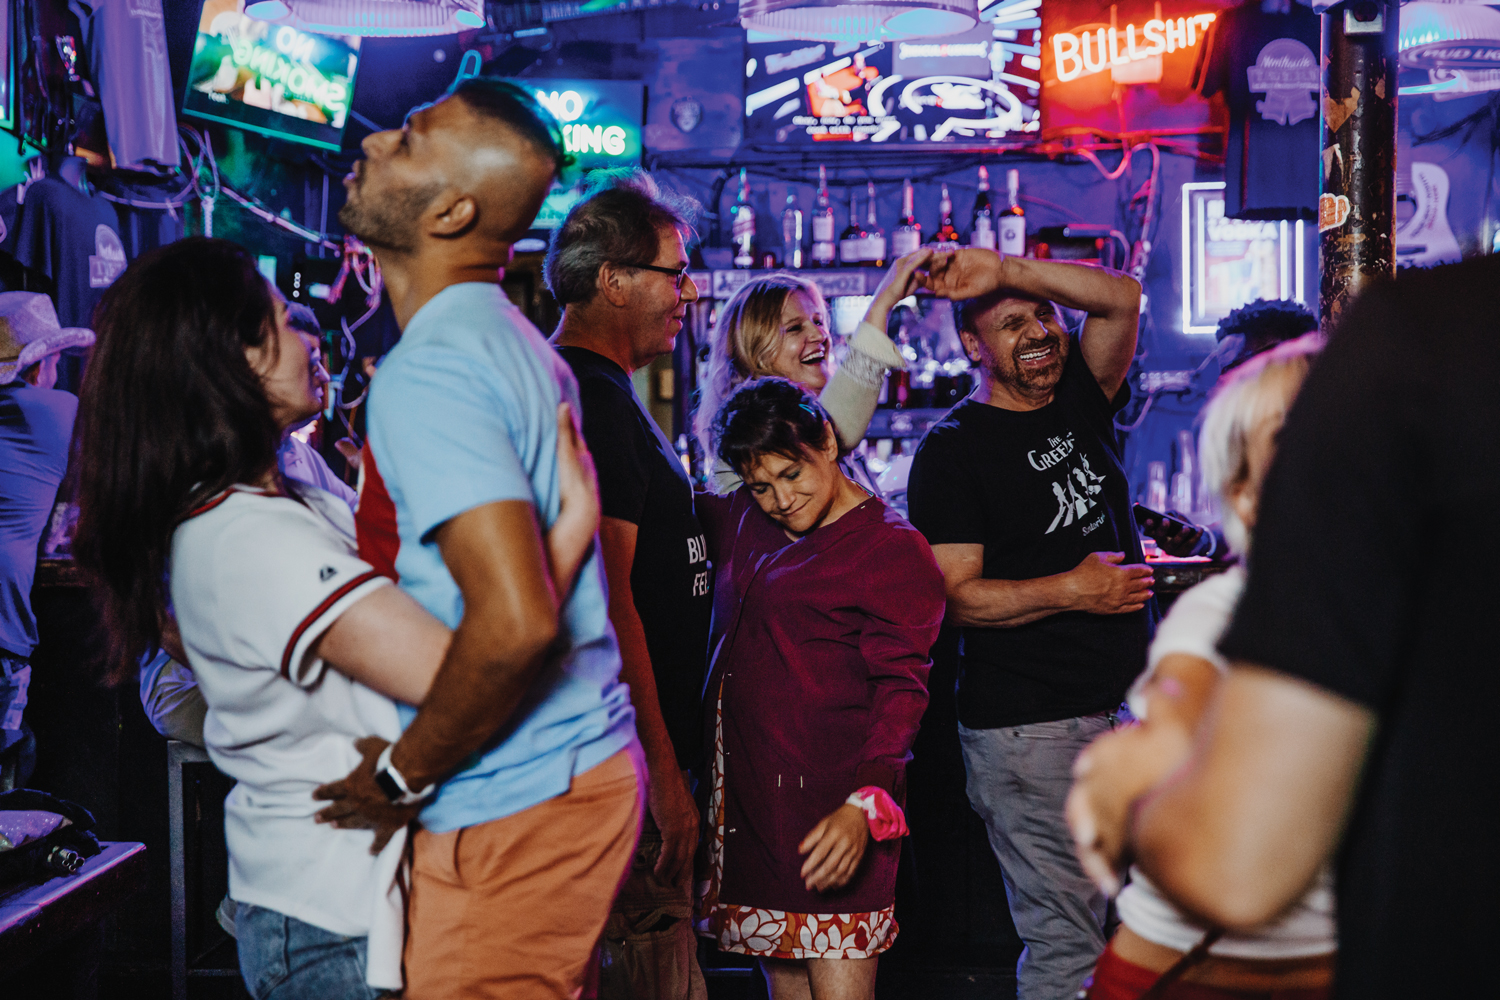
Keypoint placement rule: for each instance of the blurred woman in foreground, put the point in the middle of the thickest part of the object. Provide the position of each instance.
(1292, 957)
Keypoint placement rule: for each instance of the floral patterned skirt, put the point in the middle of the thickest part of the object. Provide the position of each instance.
(766, 933)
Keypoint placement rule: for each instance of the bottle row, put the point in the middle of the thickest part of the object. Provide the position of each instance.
(992, 227)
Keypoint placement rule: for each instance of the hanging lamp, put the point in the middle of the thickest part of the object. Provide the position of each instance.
(863, 20)
(379, 18)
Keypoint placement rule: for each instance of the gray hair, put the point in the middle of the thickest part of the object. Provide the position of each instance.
(618, 221)
(1246, 397)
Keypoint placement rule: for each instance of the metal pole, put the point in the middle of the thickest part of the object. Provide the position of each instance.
(1357, 199)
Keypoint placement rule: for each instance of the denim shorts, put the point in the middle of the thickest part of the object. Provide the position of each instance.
(282, 958)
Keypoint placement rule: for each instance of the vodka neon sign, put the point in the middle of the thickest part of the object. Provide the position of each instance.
(1089, 52)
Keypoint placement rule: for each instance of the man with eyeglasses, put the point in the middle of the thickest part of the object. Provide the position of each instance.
(618, 268)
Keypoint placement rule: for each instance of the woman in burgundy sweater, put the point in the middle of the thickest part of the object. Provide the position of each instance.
(826, 606)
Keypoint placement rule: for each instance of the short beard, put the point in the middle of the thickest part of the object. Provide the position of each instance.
(1031, 383)
(391, 222)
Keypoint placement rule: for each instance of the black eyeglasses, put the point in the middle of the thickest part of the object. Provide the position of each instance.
(678, 273)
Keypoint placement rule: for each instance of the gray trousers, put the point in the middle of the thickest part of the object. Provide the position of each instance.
(1018, 780)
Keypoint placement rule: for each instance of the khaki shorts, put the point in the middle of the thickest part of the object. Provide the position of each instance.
(513, 908)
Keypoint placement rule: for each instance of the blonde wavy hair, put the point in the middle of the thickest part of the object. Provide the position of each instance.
(745, 340)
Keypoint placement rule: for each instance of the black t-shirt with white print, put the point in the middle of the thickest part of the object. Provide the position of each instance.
(642, 481)
(1040, 490)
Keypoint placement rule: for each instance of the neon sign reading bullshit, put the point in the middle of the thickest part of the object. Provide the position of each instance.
(1089, 52)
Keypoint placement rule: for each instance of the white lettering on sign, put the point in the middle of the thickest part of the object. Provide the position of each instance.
(1076, 55)
(942, 50)
(567, 106)
(697, 550)
(609, 140)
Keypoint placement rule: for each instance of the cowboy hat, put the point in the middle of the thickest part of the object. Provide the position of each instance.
(29, 332)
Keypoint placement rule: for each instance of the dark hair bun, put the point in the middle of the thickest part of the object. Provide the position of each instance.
(767, 416)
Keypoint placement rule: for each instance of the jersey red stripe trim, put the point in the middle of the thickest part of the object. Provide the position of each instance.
(319, 612)
(208, 506)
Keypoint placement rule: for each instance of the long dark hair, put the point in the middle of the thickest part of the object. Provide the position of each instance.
(768, 416)
(171, 414)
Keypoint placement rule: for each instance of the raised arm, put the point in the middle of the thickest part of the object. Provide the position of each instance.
(851, 394)
(1099, 584)
(1112, 300)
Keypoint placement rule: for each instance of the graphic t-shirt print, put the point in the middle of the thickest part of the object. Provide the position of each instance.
(1076, 486)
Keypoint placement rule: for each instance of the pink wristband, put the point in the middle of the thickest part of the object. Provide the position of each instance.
(885, 818)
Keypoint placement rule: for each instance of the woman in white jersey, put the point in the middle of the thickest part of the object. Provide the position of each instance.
(1158, 946)
(298, 645)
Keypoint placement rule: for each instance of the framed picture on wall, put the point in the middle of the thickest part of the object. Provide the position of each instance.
(1227, 263)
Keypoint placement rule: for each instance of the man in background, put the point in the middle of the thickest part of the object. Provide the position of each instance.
(1020, 492)
(618, 267)
(36, 425)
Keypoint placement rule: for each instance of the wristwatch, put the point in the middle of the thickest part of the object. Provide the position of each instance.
(394, 785)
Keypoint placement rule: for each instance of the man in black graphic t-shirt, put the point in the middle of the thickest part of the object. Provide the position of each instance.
(1020, 492)
(618, 267)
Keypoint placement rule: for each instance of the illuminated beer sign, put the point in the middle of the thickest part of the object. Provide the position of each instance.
(600, 120)
(272, 79)
(1093, 50)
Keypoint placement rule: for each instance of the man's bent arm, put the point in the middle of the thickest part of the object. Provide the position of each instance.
(1240, 833)
(996, 603)
(510, 620)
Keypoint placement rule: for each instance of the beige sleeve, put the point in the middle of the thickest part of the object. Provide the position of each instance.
(851, 394)
(725, 480)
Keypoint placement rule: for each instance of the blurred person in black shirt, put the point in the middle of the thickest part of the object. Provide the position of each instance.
(618, 268)
(1358, 717)
(1020, 492)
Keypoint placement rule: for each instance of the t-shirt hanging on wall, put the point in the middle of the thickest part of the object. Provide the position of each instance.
(74, 239)
(127, 50)
(1266, 65)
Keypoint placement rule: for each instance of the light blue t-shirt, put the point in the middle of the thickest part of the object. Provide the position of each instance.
(464, 413)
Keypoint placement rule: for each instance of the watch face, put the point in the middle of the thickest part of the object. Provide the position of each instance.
(388, 785)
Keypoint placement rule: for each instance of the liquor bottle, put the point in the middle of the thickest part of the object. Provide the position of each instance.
(852, 239)
(946, 237)
(823, 246)
(743, 231)
(874, 255)
(982, 233)
(907, 236)
(1013, 218)
(792, 255)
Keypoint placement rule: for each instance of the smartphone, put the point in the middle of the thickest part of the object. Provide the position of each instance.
(1144, 513)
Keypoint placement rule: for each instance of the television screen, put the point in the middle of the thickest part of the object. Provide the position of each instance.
(269, 78)
(980, 84)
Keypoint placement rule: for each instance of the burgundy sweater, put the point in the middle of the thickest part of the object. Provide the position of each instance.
(820, 647)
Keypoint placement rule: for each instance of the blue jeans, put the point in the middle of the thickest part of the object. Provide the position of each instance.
(1018, 780)
(282, 958)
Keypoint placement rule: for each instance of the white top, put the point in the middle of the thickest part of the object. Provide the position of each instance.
(300, 461)
(256, 579)
(1193, 627)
